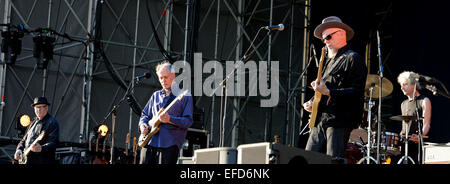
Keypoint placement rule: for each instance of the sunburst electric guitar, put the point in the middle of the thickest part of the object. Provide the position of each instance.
(317, 95)
(144, 139)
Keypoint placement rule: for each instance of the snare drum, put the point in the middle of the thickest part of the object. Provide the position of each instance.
(389, 141)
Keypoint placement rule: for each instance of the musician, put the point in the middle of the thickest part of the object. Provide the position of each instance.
(43, 152)
(408, 107)
(164, 147)
(342, 89)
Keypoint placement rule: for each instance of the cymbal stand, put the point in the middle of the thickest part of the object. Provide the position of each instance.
(405, 158)
(369, 130)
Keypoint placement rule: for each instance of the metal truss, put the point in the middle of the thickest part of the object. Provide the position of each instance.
(236, 9)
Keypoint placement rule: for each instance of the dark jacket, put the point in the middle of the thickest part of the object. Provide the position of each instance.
(48, 143)
(345, 77)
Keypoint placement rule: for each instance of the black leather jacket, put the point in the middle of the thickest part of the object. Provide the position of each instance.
(345, 77)
(48, 143)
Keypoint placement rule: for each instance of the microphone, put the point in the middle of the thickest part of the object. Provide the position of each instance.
(279, 27)
(146, 76)
(424, 78)
(315, 55)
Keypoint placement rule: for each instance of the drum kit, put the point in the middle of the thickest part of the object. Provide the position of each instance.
(363, 140)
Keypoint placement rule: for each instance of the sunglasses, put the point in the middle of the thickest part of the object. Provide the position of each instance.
(328, 37)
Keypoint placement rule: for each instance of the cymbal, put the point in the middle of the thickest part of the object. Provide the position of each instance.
(374, 81)
(404, 118)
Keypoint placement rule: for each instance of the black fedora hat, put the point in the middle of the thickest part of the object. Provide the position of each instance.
(39, 100)
(333, 22)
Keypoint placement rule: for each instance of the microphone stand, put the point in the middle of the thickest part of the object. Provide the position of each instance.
(419, 128)
(114, 113)
(298, 81)
(223, 84)
(379, 98)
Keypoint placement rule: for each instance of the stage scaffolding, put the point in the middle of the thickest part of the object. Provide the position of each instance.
(227, 25)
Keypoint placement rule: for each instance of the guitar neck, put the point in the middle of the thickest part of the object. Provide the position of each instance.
(170, 106)
(319, 70)
(28, 150)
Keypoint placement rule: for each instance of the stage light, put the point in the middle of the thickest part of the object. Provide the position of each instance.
(25, 120)
(22, 124)
(43, 50)
(11, 45)
(102, 130)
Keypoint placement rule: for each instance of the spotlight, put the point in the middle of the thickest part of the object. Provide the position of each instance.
(102, 130)
(43, 50)
(23, 122)
(11, 45)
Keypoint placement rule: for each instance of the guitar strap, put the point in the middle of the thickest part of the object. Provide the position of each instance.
(31, 127)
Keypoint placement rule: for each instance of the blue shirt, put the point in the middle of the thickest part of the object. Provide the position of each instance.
(180, 115)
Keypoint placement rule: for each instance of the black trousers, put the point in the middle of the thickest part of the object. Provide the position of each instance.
(153, 155)
(328, 140)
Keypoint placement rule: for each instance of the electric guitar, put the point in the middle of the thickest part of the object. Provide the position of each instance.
(317, 95)
(144, 139)
(23, 159)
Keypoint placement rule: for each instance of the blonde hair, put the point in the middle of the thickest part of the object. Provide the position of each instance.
(406, 75)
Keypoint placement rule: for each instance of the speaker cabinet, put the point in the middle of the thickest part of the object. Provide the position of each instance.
(268, 153)
(437, 153)
(195, 139)
(222, 155)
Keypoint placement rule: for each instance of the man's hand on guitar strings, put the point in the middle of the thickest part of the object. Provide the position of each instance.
(36, 148)
(321, 88)
(144, 129)
(308, 106)
(164, 118)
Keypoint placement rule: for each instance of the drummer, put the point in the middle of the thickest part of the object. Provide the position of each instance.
(408, 84)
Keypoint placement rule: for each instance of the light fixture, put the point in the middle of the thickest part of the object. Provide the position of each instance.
(25, 120)
(11, 45)
(22, 124)
(43, 49)
(102, 130)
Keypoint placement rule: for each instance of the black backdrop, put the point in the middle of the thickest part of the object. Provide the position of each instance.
(413, 38)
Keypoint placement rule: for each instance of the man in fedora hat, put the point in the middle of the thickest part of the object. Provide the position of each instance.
(43, 151)
(342, 88)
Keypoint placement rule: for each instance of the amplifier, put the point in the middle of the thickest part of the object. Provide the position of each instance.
(268, 153)
(185, 160)
(221, 155)
(195, 139)
(437, 153)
